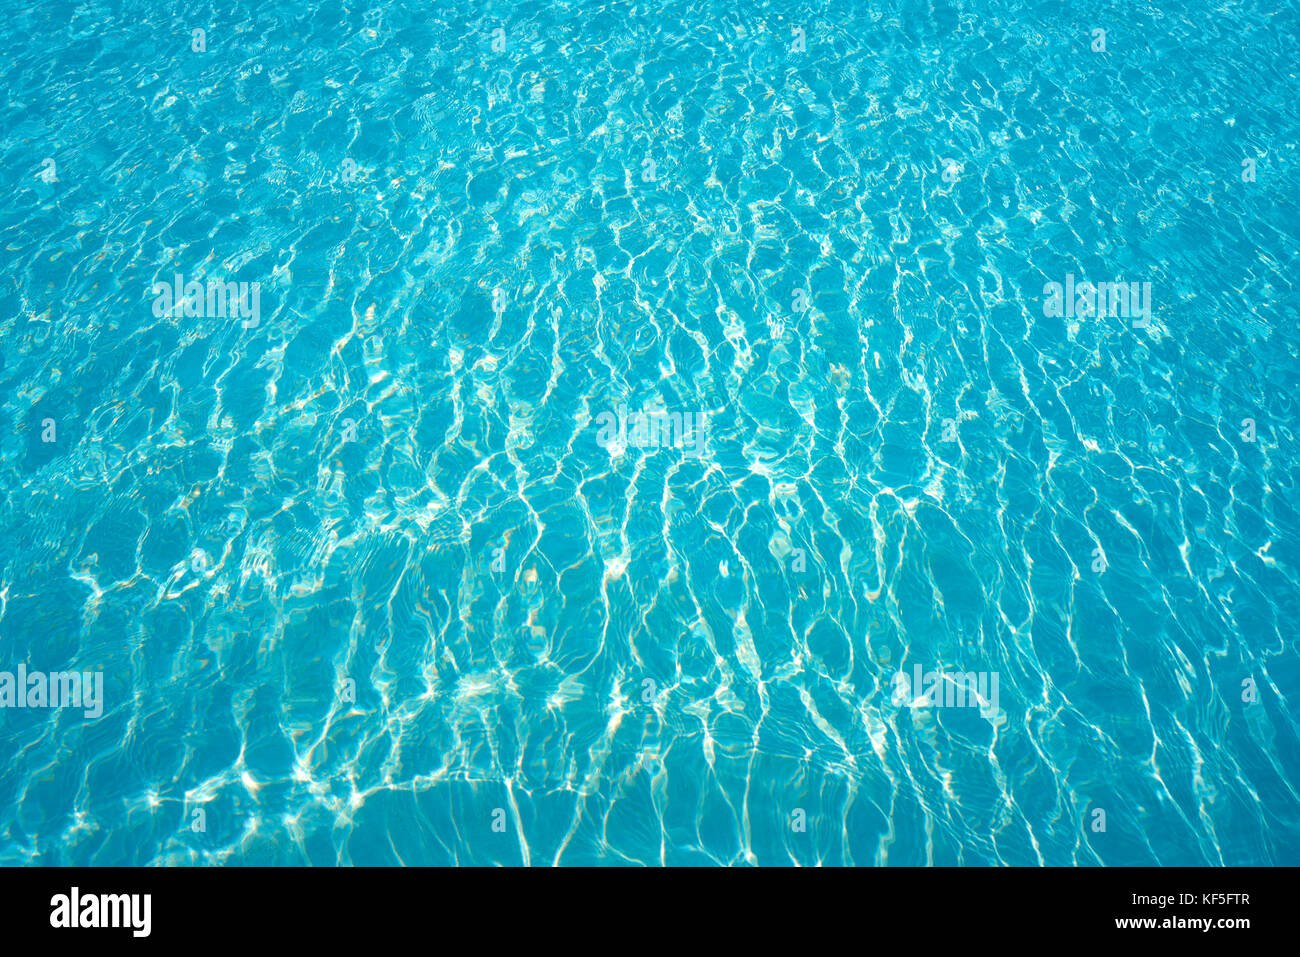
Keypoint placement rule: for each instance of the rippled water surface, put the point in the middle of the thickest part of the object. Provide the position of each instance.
(371, 578)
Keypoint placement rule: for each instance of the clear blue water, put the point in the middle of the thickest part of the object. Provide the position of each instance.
(380, 576)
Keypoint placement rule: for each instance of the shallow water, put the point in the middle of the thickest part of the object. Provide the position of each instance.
(387, 570)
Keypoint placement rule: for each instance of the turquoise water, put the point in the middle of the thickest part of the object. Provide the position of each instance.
(624, 416)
